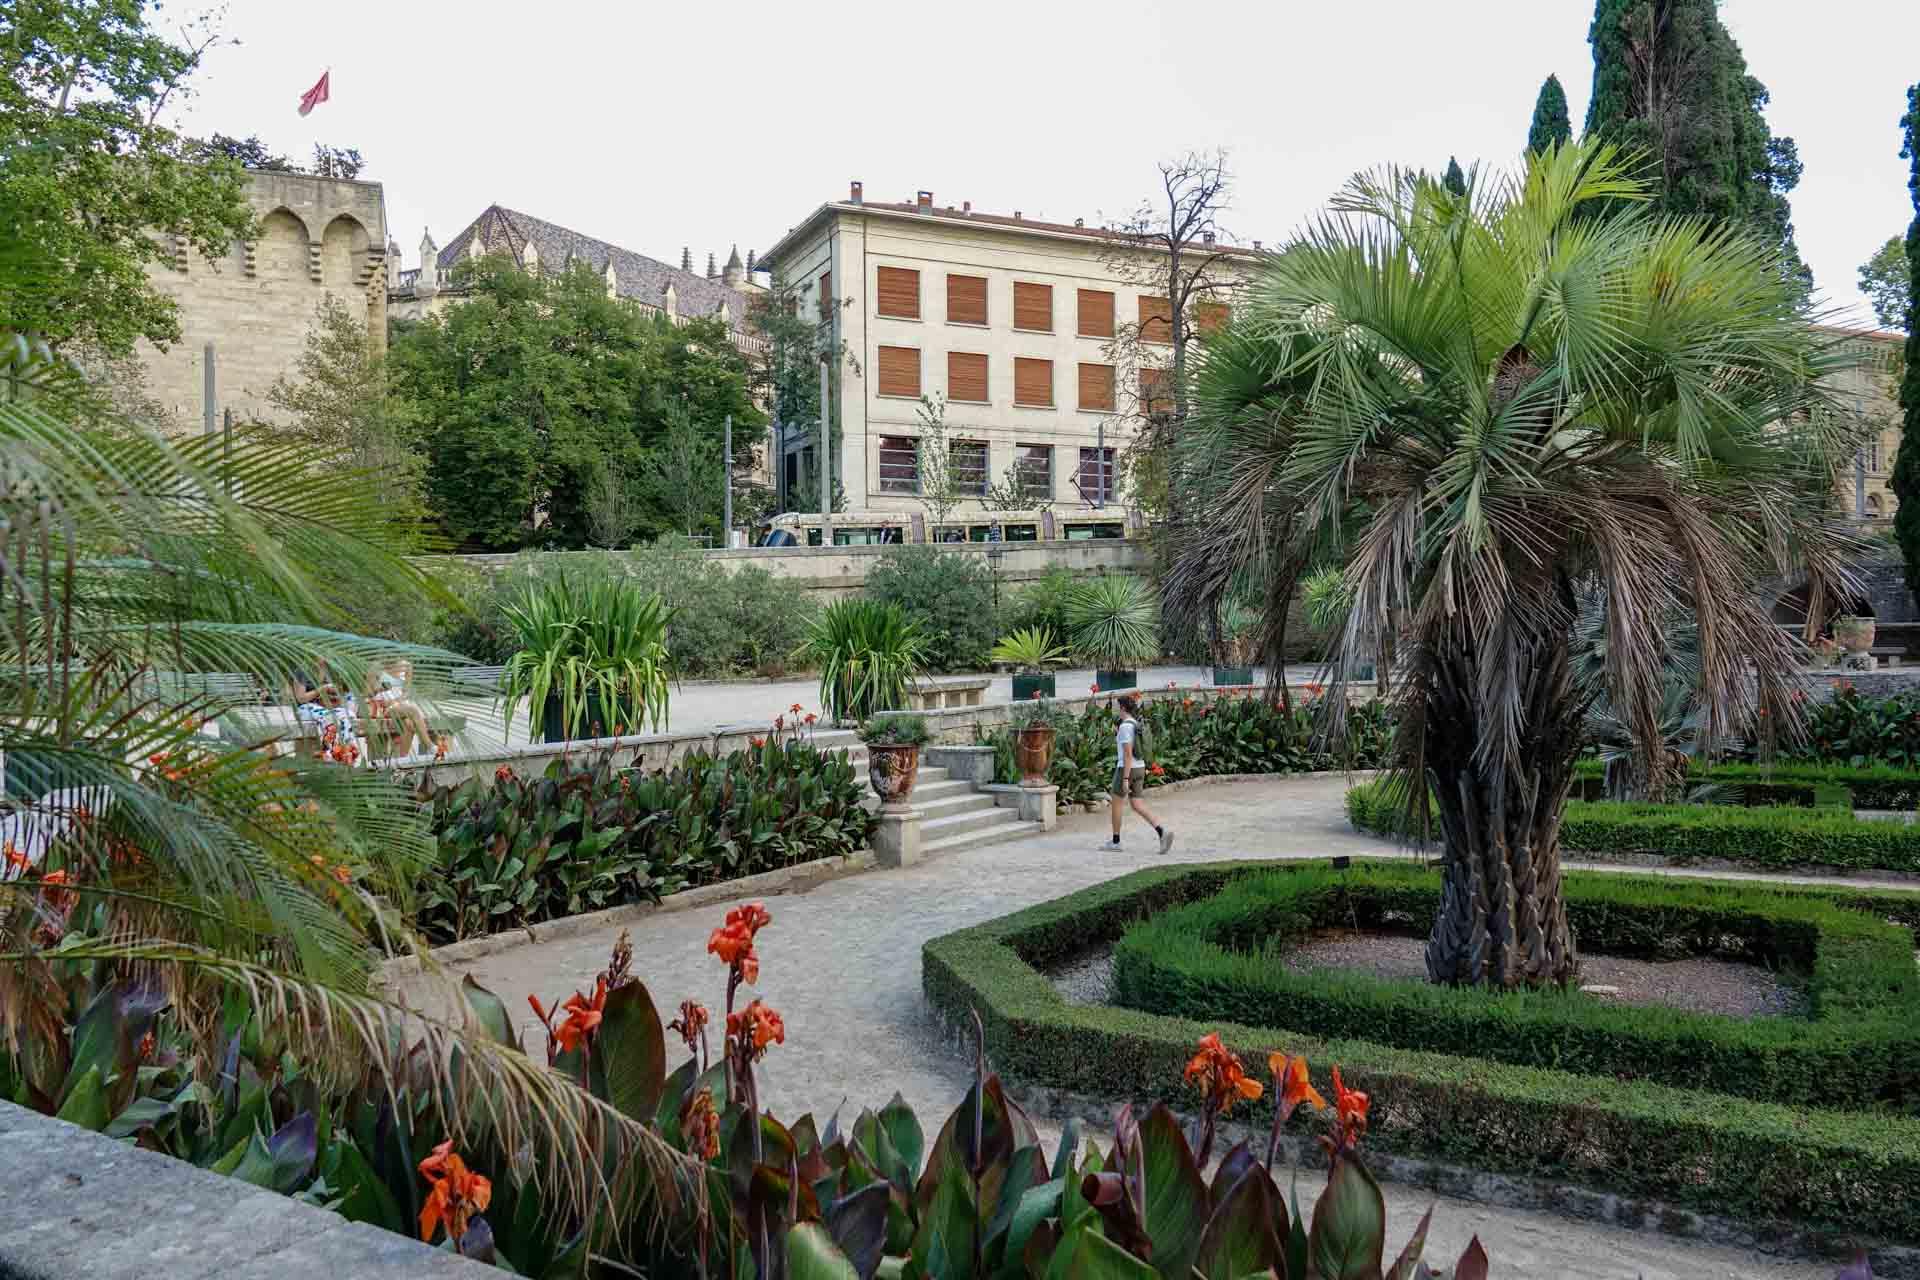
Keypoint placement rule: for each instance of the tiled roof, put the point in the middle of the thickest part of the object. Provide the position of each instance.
(636, 276)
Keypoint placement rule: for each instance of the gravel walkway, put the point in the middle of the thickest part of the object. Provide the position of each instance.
(841, 962)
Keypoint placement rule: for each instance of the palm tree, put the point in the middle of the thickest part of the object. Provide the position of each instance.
(1481, 407)
(223, 876)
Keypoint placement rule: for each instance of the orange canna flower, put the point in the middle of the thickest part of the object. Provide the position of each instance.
(502, 773)
(1219, 1074)
(583, 1016)
(457, 1193)
(343, 873)
(1352, 1106)
(810, 717)
(755, 1027)
(779, 722)
(539, 1010)
(795, 708)
(58, 896)
(702, 1126)
(1290, 1077)
(1157, 770)
(16, 860)
(691, 1022)
(144, 1050)
(757, 742)
(753, 918)
(1186, 703)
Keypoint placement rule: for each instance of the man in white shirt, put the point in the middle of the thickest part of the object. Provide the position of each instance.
(1130, 774)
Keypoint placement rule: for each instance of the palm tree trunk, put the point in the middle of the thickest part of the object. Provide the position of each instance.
(1502, 920)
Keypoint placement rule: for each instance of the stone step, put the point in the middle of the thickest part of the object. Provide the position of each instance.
(938, 789)
(947, 805)
(1000, 833)
(933, 829)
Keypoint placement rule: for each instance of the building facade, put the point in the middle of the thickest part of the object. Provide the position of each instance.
(1042, 350)
(256, 304)
(1867, 389)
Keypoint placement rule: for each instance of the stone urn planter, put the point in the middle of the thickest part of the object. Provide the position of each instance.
(1033, 752)
(892, 771)
(1855, 635)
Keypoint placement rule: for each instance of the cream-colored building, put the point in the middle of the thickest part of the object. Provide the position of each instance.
(1867, 389)
(1024, 328)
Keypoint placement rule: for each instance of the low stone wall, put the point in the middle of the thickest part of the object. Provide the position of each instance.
(1883, 683)
(81, 1206)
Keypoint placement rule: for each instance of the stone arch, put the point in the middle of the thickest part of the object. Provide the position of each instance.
(281, 251)
(1876, 506)
(343, 251)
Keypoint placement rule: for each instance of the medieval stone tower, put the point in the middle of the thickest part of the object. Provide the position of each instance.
(257, 303)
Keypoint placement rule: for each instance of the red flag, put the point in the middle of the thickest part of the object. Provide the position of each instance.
(316, 95)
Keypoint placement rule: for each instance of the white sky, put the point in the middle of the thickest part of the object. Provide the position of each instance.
(658, 125)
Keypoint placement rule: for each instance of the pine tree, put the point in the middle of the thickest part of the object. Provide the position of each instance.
(1906, 463)
(1551, 126)
(1455, 181)
(1669, 80)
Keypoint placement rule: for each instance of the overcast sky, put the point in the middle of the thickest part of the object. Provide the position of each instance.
(661, 125)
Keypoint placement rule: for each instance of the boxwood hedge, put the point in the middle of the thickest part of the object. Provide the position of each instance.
(1767, 839)
(1801, 783)
(1844, 1172)
(1860, 1041)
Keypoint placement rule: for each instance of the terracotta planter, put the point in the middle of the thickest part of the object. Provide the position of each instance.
(1033, 752)
(892, 771)
(1854, 634)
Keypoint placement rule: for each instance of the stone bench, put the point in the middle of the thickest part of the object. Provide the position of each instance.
(280, 724)
(948, 691)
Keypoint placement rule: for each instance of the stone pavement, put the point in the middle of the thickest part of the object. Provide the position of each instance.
(841, 962)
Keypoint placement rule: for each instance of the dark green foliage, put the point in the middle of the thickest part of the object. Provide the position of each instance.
(1797, 783)
(1200, 736)
(1551, 127)
(1860, 1041)
(1768, 839)
(951, 595)
(1859, 731)
(1906, 463)
(1834, 1172)
(514, 851)
(1454, 181)
(1669, 80)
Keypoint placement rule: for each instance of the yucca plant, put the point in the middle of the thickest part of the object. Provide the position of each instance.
(1031, 649)
(592, 659)
(869, 655)
(1114, 619)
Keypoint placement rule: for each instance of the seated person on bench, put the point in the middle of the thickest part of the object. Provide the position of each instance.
(388, 696)
(317, 700)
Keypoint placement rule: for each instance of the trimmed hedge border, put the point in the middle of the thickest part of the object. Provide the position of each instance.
(1847, 1173)
(1216, 958)
(1765, 839)
(1801, 783)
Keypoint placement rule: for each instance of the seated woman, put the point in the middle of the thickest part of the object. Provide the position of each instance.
(316, 700)
(389, 698)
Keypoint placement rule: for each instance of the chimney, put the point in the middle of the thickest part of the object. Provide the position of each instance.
(1206, 237)
(923, 202)
(966, 206)
(853, 192)
(1079, 222)
(1016, 215)
(1256, 246)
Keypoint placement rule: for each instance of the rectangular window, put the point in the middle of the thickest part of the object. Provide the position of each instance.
(1021, 532)
(1033, 382)
(1096, 313)
(966, 299)
(1096, 387)
(1033, 471)
(1096, 474)
(1155, 394)
(826, 295)
(967, 377)
(967, 461)
(1211, 317)
(899, 293)
(900, 372)
(899, 464)
(1033, 306)
(1156, 319)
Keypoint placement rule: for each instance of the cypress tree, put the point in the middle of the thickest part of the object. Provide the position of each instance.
(1455, 181)
(1906, 463)
(1551, 126)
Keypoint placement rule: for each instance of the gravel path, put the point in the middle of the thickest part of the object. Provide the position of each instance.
(841, 962)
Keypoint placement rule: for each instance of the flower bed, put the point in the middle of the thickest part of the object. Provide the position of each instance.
(1763, 838)
(1201, 735)
(583, 835)
(1860, 1040)
(1838, 1171)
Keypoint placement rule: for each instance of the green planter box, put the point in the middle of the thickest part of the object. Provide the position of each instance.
(1026, 684)
(1232, 675)
(1107, 680)
(553, 728)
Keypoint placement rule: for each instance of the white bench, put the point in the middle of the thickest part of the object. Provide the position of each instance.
(948, 691)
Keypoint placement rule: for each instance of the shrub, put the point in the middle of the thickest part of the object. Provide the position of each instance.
(1113, 619)
(515, 851)
(1221, 956)
(949, 594)
(1776, 838)
(1841, 1172)
(1030, 649)
(868, 654)
(1855, 730)
(1042, 602)
(1800, 783)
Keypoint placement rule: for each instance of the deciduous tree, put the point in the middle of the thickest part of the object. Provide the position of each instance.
(1887, 280)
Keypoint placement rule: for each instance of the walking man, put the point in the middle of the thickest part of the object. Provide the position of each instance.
(1132, 753)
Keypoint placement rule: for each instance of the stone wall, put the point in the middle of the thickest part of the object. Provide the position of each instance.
(257, 302)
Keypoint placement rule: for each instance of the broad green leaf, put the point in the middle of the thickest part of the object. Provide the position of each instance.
(1035, 1207)
(858, 1225)
(363, 1197)
(903, 1131)
(944, 1246)
(632, 1047)
(95, 1038)
(1409, 1259)
(492, 1012)
(1349, 1228)
(256, 1164)
(811, 1255)
(86, 1103)
(1296, 1236)
(1085, 1254)
(141, 1113)
(293, 1147)
(1244, 1233)
(1177, 1199)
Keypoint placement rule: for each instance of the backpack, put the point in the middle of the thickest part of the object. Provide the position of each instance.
(1142, 744)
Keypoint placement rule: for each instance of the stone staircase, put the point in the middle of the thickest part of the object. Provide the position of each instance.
(953, 816)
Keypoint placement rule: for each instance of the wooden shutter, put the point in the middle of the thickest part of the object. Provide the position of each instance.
(1033, 306)
(1156, 319)
(967, 300)
(899, 292)
(826, 294)
(1096, 313)
(1032, 381)
(900, 371)
(1211, 317)
(1096, 387)
(1154, 396)
(967, 376)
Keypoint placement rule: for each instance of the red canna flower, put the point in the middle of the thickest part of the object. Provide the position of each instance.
(753, 1028)
(795, 708)
(779, 722)
(502, 773)
(1094, 687)
(1351, 1106)
(1290, 1077)
(16, 860)
(1186, 703)
(758, 743)
(457, 1193)
(144, 1050)
(1220, 1076)
(53, 886)
(583, 1016)
(1157, 770)
(810, 717)
(1036, 695)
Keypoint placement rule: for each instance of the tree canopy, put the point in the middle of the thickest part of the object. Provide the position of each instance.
(520, 396)
(1455, 181)
(1887, 280)
(1906, 463)
(1551, 127)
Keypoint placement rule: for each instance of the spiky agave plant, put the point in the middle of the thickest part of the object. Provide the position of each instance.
(868, 654)
(1114, 618)
(216, 874)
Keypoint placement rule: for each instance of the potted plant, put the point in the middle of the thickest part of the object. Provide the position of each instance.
(893, 754)
(1855, 634)
(1033, 653)
(1033, 738)
(592, 658)
(1826, 651)
(1114, 619)
(1234, 660)
(868, 654)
